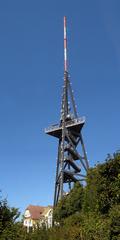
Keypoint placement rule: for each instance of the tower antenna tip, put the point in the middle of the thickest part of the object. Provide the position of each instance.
(65, 45)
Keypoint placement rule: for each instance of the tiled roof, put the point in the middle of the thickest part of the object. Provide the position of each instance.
(37, 211)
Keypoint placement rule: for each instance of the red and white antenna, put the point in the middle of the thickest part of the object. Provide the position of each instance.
(65, 45)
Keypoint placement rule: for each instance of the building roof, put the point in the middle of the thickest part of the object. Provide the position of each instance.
(37, 211)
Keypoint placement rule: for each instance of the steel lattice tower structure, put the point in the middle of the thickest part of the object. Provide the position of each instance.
(71, 165)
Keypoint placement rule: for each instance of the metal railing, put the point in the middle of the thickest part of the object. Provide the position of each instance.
(69, 123)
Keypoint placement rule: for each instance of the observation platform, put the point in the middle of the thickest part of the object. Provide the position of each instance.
(74, 125)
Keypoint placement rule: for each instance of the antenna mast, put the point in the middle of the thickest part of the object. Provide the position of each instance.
(65, 45)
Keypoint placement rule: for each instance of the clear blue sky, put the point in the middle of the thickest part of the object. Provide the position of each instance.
(31, 79)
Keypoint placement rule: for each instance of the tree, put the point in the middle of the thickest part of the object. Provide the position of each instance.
(70, 203)
(114, 216)
(8, 216)
(103, 186)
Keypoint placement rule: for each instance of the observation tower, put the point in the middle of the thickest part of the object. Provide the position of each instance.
(72, 163)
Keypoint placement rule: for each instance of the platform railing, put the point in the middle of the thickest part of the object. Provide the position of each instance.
(68, 123)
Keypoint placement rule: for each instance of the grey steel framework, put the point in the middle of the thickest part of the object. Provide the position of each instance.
(72, 163)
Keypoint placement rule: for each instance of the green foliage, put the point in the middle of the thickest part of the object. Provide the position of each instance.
(90, 202)
(13, 232)
(114, 216)
(96, 214)
(70, 204)
(95, 227)
(109, 184)
(8, 215)
(103, 186)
